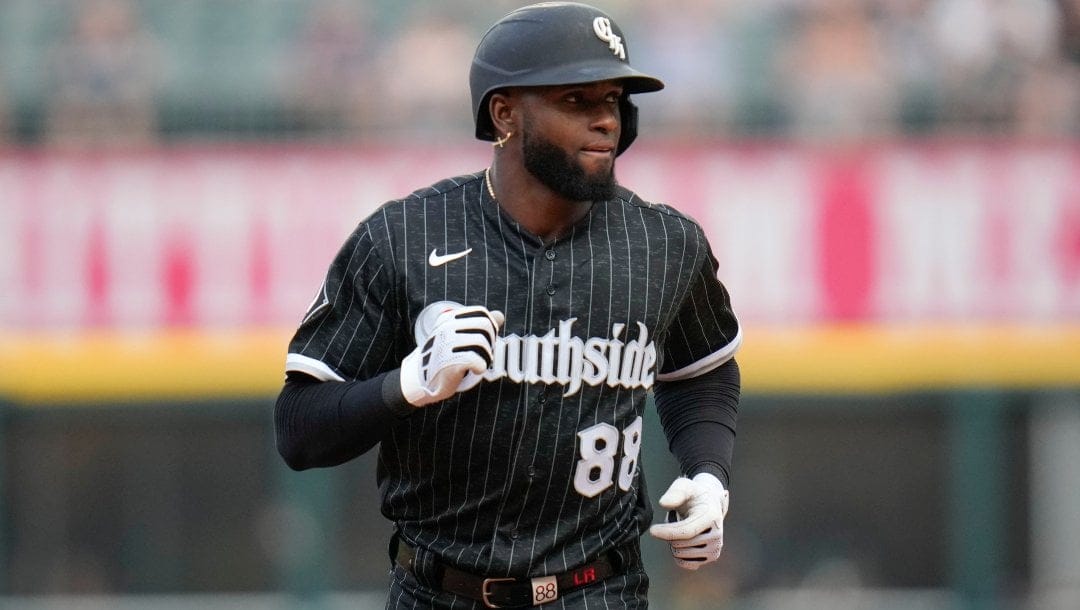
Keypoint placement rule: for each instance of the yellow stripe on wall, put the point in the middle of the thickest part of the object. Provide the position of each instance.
(101, 367)
(105, 367)
(884, 359)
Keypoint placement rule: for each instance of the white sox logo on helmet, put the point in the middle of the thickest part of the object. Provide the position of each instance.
(602, 28)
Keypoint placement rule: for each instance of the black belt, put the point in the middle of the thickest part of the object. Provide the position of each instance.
(514, 592)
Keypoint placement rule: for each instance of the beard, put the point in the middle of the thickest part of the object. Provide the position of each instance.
(558, 171)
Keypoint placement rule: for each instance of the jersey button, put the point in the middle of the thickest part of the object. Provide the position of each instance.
(515, 534)
(550, 255)
(550, 290)
(531, 471)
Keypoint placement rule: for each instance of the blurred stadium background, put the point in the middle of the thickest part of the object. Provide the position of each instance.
(892, 188)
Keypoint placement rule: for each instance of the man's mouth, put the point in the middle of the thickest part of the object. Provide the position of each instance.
(599, 149)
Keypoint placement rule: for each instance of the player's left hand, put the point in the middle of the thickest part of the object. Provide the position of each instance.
(695, 531)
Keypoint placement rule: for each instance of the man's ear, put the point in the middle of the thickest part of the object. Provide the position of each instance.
(503, 108)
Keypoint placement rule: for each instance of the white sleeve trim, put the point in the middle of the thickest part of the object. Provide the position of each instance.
(707, 363)
(311, 366)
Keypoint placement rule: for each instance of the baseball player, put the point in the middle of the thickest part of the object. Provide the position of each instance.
(497, 334)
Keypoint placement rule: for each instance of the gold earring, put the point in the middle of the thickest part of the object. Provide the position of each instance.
(501, 141)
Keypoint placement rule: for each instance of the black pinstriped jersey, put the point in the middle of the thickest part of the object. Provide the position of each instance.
(534, 469)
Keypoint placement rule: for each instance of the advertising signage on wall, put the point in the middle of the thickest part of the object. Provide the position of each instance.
(239, 237)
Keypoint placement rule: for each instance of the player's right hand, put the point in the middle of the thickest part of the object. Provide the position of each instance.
(452, 341)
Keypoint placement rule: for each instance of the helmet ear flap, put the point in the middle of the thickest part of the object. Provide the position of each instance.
(628, 115)
(485, 126)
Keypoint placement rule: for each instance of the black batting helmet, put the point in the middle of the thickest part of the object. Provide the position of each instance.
(555, 43)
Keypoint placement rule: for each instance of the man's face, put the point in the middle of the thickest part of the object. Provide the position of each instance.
(569, 138)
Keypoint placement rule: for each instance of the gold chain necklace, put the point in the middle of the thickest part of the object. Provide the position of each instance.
(487, 181)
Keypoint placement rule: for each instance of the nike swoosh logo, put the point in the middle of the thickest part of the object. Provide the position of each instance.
(436, 260)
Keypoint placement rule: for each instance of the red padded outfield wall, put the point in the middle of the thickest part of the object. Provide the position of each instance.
(942, 235)
(240, 236)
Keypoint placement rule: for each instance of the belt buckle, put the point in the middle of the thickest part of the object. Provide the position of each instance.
(485, 590)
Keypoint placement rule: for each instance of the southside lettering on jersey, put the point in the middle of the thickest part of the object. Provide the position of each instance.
(559, 357)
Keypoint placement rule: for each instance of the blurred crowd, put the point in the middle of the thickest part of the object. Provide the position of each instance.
(108, 72)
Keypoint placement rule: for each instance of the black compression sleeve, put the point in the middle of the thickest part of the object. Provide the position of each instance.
(698, 416)
(326, 423)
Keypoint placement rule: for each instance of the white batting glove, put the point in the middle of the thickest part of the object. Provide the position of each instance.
(695, 528)
(452, 341)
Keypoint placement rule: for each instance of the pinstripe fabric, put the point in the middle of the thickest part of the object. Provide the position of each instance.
(535, 470)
